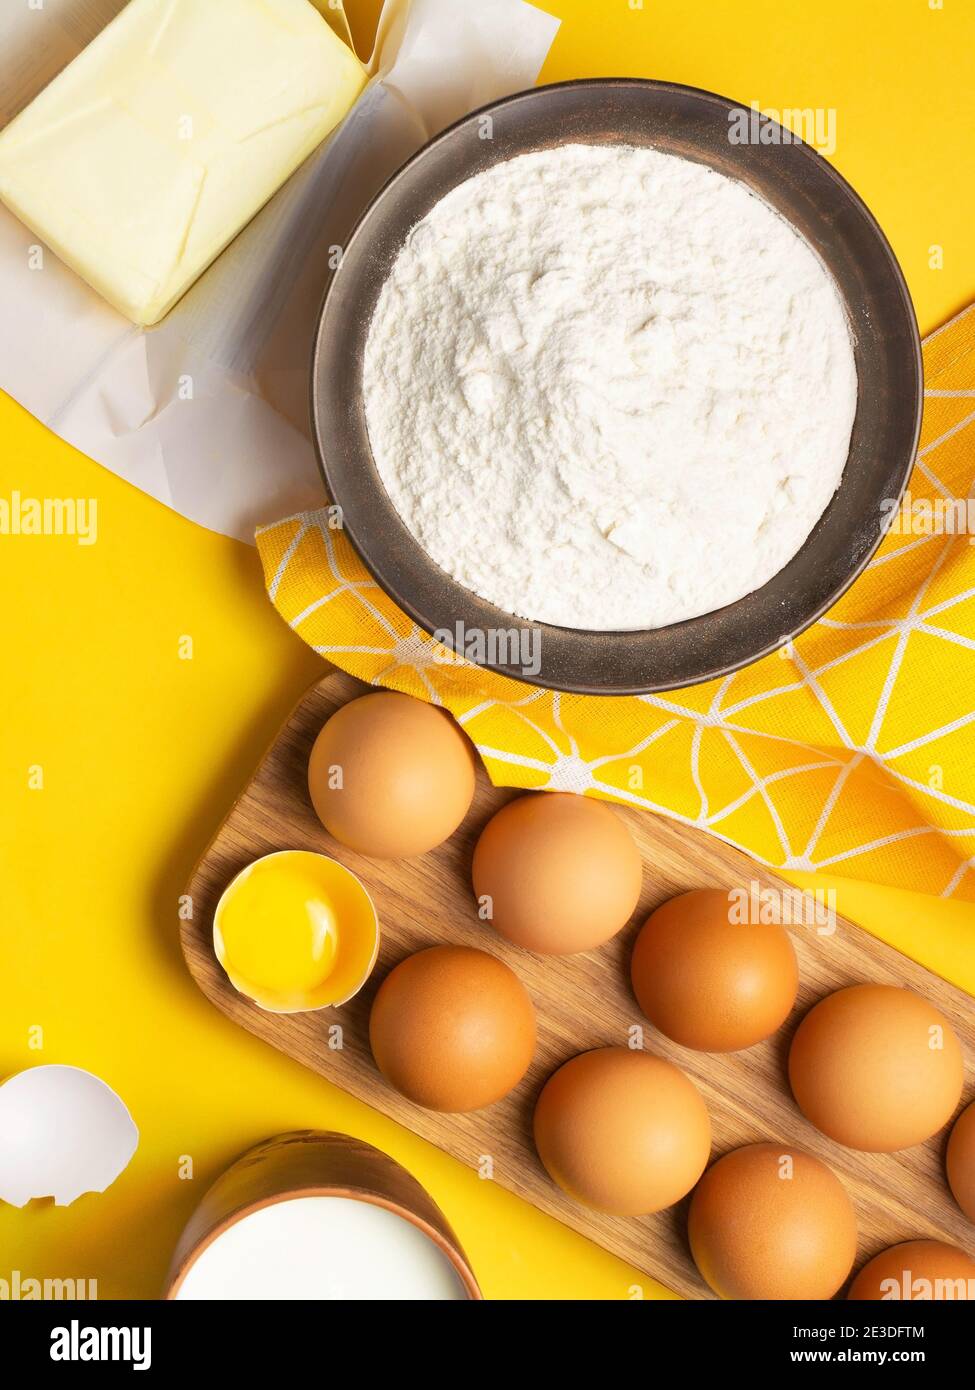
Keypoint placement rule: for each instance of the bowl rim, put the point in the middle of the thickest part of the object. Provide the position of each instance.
(263, 1176)
(556, 680)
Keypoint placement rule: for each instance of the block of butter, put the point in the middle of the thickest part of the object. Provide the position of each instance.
(147, 154)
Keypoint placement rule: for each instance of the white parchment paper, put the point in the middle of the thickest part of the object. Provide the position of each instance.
(208, 411)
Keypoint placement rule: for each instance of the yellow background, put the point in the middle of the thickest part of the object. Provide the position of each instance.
(141, 751)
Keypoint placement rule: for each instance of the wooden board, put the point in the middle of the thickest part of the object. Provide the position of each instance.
(582, 1002)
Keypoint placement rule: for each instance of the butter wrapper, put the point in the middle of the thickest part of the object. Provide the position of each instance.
(144, 161)
(146, 156)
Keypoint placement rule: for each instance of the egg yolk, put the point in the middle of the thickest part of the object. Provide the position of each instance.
(280, 930)
(296, 930)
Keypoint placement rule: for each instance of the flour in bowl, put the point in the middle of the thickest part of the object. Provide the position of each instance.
(608, 388)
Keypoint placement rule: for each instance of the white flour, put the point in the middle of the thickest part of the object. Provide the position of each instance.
(608, 388)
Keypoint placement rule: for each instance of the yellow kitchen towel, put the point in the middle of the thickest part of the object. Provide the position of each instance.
(852, 749)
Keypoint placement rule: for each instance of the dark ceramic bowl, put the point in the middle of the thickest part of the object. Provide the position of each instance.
(804, 188)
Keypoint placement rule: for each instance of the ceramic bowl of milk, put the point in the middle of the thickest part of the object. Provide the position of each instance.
(318, 1216)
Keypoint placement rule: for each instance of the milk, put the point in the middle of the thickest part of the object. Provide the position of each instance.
(322, 1248)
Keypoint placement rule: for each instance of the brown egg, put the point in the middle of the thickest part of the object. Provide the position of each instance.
(391, 776)
(960, 1161)
(452, 1028)
(916, 1270)
(876, 1068)
(622, 1131)
(556, 873)
(770, 1222)
(711, 983)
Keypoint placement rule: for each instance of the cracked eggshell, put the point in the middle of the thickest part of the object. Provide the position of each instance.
(63, 1132)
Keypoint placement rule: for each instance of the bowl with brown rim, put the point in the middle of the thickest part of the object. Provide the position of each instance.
(797, 182)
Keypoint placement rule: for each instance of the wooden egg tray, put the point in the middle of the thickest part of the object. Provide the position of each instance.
(582, 1002)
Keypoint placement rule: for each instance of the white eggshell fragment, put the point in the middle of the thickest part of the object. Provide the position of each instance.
(63, 1132)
